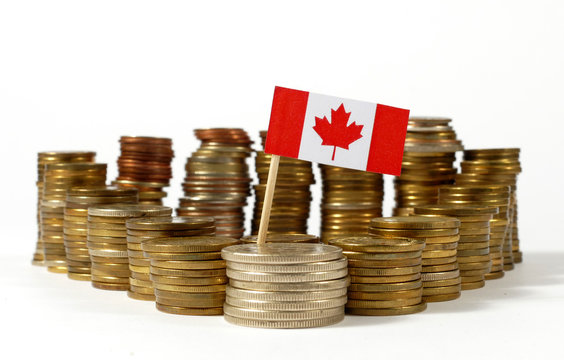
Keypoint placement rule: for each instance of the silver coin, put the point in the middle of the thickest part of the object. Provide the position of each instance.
(269, 324)
(292, 268)
(281, 253)
(286, 278)
(281, 315)
(291, 287)
(287, 305)
(284, 295)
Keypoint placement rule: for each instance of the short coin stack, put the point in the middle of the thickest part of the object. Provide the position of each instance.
(144, 164)
(53, 157)
(282, 238)
(385, 275)
(439, 273)
(285, 285)
(144, 229)
(76, 223)
(350, 199)
(473, 252)
(188, 274)
(107, 242)
(217, 180)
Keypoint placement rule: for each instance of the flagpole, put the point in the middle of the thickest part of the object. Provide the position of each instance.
(267, 202)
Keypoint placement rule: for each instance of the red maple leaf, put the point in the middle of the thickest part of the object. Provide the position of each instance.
(337, 133)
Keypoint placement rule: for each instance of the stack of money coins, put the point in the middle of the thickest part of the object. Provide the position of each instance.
(188, 274)
(144, 163)
(58, 179)
(107, 242)
(385, 275)
(473, 251)
(350, 199)
(217, 180)
(75, 225)
(282, 238)
(144, 229)
(485, 195)
(499, 167)
(53, 157)
(429, 154)
(439, 272)
(285, 285)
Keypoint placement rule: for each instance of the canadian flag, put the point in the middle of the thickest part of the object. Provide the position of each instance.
(336, 131)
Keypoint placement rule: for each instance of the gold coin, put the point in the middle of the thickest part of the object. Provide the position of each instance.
(382, 256)
(110, 286)
(473, 252)
(411, 233)
(473, 285)
(177, 310)
(404, 310)
(441, 290)
(174, 223)
(378, 245)
(385, 287)
(442, 297)
(193, 303)
(383, 304)
(472, 259)
(188, 244)
(414, 222)
(189, 265)
(384, 263)
(388, 295)
(438, 261)
(433, 254)
(190, 289)
(455, 210)
(470, 279)
(216, 255)
(137, 296)
(435, 247)
(385, 271)
(187, 273)
(441, 283)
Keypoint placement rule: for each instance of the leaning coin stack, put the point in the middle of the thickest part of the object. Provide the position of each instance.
(285, 285)
(57, 180)
(188, 274)
(429, 154)
(144, 229)
(473, 251)
(499, 167)
(107, 242)
(282, 238)
(292, 195)
(439, 273)
(484, 195)
(350, 199)
(144, 163)
(217, 180)
(75, 225)
(53, 157)
(385, 275)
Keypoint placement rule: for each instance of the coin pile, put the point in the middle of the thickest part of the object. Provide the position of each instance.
(144, 163)
(217, 180)
(75, 224)
(473, 251)
(107, 242)
(150, 228)
(188, 274)
(285, 285)
(385, 275)
(292, 195)
(498, 167)
(350, 199)
(53, 157)
(484, 195)
(282, 238)
(428, 158)
(58, 178)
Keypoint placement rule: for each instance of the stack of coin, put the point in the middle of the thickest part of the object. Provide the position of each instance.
(429, 154)
(107, 242)
(485, 195)
(499, 167)
(350, 199)
(217, 180)
(292, 195)
(282, 238)
(53, 157)
(285, 285)
(58, 178)
(188, 274)
(385, 275)
(439, 273)
(144, 229)
(75, 225)
(144, 164)
(473, 251)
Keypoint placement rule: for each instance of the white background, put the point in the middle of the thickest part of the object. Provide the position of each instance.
(78, 74)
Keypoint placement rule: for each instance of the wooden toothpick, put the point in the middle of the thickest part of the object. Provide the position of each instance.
(267, 203)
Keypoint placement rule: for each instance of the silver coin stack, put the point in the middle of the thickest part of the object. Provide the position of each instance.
(285, 285)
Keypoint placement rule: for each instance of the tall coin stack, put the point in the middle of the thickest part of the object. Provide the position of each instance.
(107, 242)
(144, 229)
(439, 273)
(217, 180)
(473, 251)
(428, 158)
(188, 274)
(350, 199)
(57, 180)
(144, 163)
(75, 225)
(292, 195)
(53, 157)
(285, 285)
(485, 195)
(385, 275)
(282, 238)
(500, 167)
